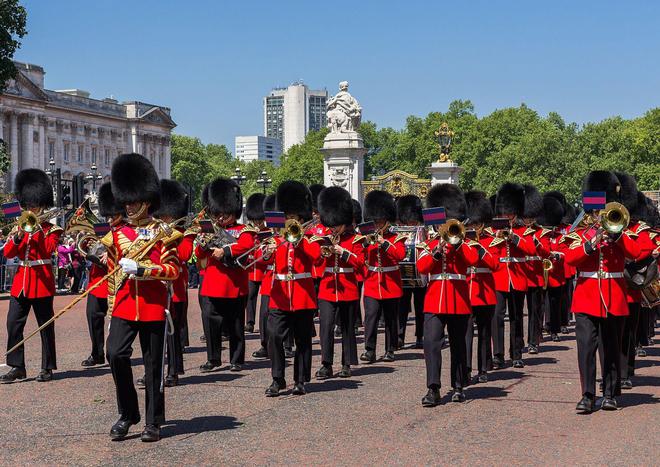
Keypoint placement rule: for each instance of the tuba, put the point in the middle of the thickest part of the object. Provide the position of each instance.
(614, 218)
(82, 224)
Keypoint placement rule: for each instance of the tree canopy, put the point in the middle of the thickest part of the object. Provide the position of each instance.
(12, 28)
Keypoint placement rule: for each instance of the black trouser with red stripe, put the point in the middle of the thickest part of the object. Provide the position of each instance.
(514, 300)
(346, 313)
(534, 297)
(263, 320)
(555, 297)
(483, 316)
(372, 311)
(412, 296)
(434, 333)
(19, 308)
(225, 313)
(174, 347)
(629, 341)
(96, 310)
(279, 325)
(253, 295)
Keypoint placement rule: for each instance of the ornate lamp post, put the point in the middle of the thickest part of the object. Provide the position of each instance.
(264, 181)
(51, 170)
(94, 176)
(445, 137)
(238, 177)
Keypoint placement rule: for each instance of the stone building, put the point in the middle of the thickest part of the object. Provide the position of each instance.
(76, 131)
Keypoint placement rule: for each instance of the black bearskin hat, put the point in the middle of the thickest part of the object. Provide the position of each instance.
(33, 189)
(107, 205)
(205, 196)
(628, 192)
(379, 205)
(316, 189)
(641, 210)
(409, 210)
(533, 202)
(254, 207)
(603, 180)
(510, 199)
(492, 199)
(652, 214)
(270, 203)
(335, 207)
(479, 210)
(224, 197)
(134, 180)
(450, 197)
(173, 200)
(294, 198)
(558, 195)
(357, 212)
(569, 214)
(552, 213)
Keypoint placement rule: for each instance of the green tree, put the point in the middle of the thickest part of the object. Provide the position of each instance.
(304, 161)
(12, 28)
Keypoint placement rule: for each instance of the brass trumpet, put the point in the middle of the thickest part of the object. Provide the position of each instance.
(452, 231)
(547, 267)
(328, 250)
(29, 222)
(293, 231)
(615, 218)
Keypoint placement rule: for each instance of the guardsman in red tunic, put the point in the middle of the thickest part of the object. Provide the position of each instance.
(382, 285)
(446, 259)
(360, 273)
(638, 230)
(225, 281)
(534, 264)
(409, 214)
(34, 284)
(338, 291)
(549, 245)
(266, 271)
(599, 299)
(140, 293)
(97, 300)
(292, 295)
(481, 283)
(511, 281)
(254, 213)
(647, 316)
(174, 207)
(316, 229)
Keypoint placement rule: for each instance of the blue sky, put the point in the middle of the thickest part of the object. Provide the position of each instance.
(213, 61)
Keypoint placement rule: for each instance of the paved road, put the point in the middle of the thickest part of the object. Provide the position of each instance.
(520, 416)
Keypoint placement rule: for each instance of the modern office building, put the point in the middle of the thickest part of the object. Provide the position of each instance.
(258, 148)
(291, 112)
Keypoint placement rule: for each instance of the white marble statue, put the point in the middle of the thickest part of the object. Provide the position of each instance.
(343, 110)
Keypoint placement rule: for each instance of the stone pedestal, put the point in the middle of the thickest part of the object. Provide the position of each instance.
(445, 172)
(343, 163)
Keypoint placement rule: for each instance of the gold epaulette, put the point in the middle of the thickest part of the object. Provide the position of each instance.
(489, 231)
(642, 226)
(423, 246)
(529, 231)
(54, 228)
(108, 240)
(631, 234)
(173, 237)
(400, 237)
(191, 231)
(358, 238)
(574, 236)
(544, 231)
(496, 241)
(250, 228)
(315, 238)
(575, 244)
(652, 235)
(473, 243)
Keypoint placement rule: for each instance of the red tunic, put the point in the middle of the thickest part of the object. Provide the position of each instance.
(318, 230)
(292, 283)
(600, 289)
(225, 281)
(534, 263)
(339, 283)
(481, 281)
(448, 291)
(142, 298)
(640, 232)
(34, 277)
(184, 253)
(512, 254)
(383, 279)
(257, 270)
(548, 245)
(96, 273)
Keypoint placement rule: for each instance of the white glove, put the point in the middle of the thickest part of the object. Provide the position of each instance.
(129, 266)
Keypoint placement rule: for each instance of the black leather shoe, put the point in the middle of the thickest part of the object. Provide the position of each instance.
(419, 344)
(482, 378)
(13, 375)
(337, 331)
(140, 383)
(609, 403)
(208, 367)
(91, 361)
(533, 349)
(518, 364)
(345, 371)
(235, 367)
(150, 434)
(120, 429)
(261, 353)
(564, 329)
(274, 389)
(555, 337)
(171, 381)
(498, 363)
(641, 352)
(289, 353)
(249, 327)
(626, 384)
(458, 396)
(388, 357)
(44, 376)
(324, 372)
(299, 389)
(369, 356)
(432, 398)
(586, 405)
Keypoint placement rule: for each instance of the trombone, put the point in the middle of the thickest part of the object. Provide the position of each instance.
(452, 232)
(29, 222)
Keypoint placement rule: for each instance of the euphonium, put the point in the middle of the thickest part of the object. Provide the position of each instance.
(453, 231)
(614, 218)
(293, 231)
(547, 267)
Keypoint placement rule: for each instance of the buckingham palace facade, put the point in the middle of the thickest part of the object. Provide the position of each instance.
(75, 131)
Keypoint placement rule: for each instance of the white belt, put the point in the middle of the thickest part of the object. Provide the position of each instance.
(292, 277)
(383, 268)
(34, 262)
(447, 277)
(338, 270)
(512, 259)
(479, 271)
(533, 258)
(269, 267)
(601, 275)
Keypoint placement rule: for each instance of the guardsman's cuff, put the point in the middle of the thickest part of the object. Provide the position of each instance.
(227, 251)
(386, 245)
(515, 239)
(345, 255)
(588, 248)
(437, 255)
(482, 251)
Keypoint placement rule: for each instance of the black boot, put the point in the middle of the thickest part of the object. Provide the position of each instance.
(432, 398)
(44, 376)
(324, 372)
(586, 405)
(120, 429)
(369, 356)
(92, 361)
(274, 389)
(13, 375)
(261, 353)
(209, 366)
(299, 389)
(345, 371)
(150, 434)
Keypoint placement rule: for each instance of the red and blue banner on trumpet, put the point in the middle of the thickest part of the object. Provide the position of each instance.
(366, 228)
(434, 216)
(11, 209)
(101, 229)
(275, 219)
(594, 200)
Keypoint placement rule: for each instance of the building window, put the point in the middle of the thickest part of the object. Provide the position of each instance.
(51, 150)
(107, 157)
(65, 156)
(81, 153)
(93, 154)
